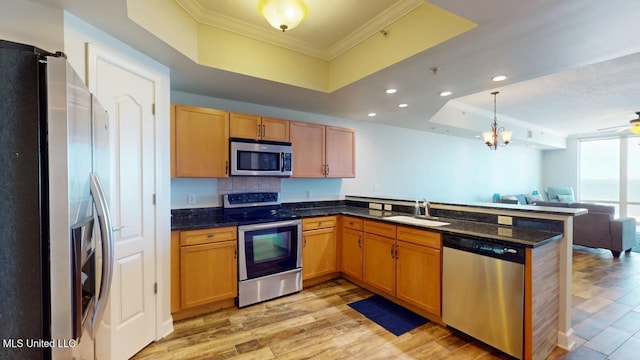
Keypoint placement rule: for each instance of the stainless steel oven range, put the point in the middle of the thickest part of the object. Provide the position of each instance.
(269, 244)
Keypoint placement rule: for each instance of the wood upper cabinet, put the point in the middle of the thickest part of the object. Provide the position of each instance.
(319, 252)
(307, 141)
(200, 142)
(418, 268)
(322, 151)
(208, 267)
(340, 152)
(256, 127)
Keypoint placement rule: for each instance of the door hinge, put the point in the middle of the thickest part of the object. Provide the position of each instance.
(154, 199)
(153, 109)
(155, 288)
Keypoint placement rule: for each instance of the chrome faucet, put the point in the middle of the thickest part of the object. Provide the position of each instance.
(425, 204)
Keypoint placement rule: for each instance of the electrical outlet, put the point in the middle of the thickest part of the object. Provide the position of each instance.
(387, 207)
(191, 199)
(375, 206)
(505, 220)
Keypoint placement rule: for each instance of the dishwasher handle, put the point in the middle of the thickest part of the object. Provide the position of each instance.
(486, 247)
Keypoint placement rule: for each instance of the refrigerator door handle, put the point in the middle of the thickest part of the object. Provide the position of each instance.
(106, 234)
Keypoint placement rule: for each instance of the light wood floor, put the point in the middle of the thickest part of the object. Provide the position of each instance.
(317, 324)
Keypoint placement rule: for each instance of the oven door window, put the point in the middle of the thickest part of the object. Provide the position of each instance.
(258, 161)
(271, 251)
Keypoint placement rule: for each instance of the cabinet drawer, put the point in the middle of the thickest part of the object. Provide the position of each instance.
(318, 223)
(206, 236)
(351, 222)
(419, 237)
(380, 228)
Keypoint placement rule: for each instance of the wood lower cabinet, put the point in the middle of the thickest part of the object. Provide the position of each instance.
(200, 142)
(319, 252)
(207, 267)
(256, 127)
(418, 268)
(380, 263)
(351, 247)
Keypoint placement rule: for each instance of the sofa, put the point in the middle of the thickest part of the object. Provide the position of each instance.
(598, 228)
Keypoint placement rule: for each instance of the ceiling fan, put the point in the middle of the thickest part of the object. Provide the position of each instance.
(634, 126)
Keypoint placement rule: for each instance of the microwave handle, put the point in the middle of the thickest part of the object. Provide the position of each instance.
(282, 162)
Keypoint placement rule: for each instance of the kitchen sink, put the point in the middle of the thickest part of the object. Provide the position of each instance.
(415, 221)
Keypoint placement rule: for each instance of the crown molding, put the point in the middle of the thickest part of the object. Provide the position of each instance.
(227, 23)
(373, 26)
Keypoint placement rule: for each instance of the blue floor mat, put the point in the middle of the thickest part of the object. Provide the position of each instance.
(396, 319)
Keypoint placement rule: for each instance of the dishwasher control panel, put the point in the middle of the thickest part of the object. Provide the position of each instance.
(485, 247)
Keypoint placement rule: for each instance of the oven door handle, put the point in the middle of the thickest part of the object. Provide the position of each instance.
(268, 225)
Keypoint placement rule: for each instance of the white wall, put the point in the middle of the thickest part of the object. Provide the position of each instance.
(560, 167)
(391, 162)
(29, 23)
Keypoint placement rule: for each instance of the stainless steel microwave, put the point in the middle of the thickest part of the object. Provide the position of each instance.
(260, 158)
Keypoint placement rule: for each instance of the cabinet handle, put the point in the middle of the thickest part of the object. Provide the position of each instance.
(359, 241)
(258, 130)
(226, 167)
(327, 170)
(210, 235)
(397, 258)
(392, 252)
(304, 241)
(235, 252)
(264, 131)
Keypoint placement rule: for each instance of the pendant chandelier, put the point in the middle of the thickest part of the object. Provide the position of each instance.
(283, 14)
(491, 137)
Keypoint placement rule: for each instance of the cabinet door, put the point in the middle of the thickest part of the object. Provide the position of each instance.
(418, 276)
(208, 273)
(318, 253)
(307, 141)
(201, 142)
(245, 126)
(340, 152)
(352, 243)
(275, 129)
(379, 263)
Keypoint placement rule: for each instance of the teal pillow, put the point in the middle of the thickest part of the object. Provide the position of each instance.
(566, 198)
(553, 192)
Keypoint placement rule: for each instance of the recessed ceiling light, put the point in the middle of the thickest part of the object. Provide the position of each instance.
(445, 93)
(391, 91)
(403, 105)
(499, 78)
(371, 114)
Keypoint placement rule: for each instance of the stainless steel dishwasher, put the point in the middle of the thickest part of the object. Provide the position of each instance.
(483, 291)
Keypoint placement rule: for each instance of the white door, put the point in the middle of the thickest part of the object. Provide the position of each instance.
(128, 97)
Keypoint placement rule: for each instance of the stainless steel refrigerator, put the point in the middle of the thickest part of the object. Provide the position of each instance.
(56, 244)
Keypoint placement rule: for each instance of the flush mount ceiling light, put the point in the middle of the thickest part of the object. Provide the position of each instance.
(283, 14)
(391, 91)
(371, 114)
(403, 105)
(491, 137)
(445, 93)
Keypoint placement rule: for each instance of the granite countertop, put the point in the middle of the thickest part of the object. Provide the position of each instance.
(494, 232)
